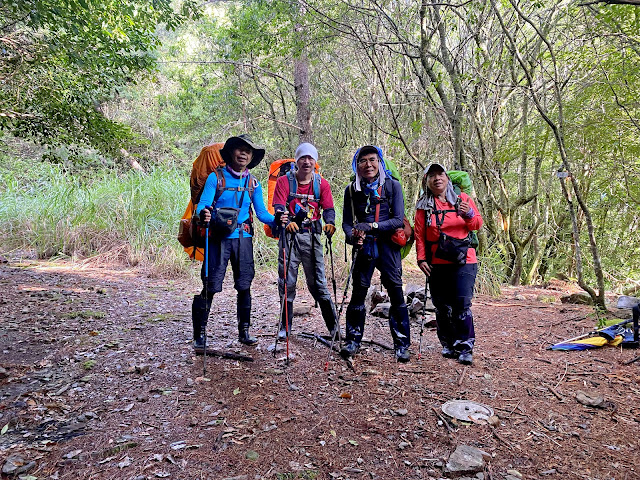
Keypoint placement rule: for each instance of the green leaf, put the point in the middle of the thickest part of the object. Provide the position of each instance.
(353, 442)
(4, 429)
(236, 391)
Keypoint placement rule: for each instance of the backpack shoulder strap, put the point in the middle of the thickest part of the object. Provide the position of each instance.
(353, 209)
(293, 184)
(317, 180)
(376, 218)
(221, 184)
(252, 184)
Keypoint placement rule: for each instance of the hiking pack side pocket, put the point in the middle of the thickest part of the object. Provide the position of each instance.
(224, 221)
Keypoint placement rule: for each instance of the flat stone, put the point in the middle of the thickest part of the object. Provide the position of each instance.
(301, 310)
(16, 464)
(382, 310)
(625, 301)
(413, 290)
(467, 459)
(590, 399)
(551, 471)
(416, 307)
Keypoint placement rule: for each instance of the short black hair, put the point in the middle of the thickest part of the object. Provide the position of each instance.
(366, 150)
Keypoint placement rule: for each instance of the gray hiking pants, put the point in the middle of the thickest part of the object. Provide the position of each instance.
(307, 249)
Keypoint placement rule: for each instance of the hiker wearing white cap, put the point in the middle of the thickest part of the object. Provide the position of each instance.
(303, 197)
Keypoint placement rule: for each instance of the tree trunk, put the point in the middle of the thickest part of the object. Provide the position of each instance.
(301, 82)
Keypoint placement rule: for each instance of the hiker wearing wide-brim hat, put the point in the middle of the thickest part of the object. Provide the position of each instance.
(443, 224)
(374, 209)
(242, 140)
(225, 204)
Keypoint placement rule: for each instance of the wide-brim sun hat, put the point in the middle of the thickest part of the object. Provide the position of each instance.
(233, 142)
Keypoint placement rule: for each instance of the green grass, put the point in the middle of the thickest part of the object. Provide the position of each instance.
(110, 216)
(129, 218)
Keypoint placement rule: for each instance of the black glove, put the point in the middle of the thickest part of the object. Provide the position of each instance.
(363, 227)
(278, 221)
(202, 218)
(300, 217)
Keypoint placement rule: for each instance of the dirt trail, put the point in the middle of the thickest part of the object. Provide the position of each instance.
(100, 382)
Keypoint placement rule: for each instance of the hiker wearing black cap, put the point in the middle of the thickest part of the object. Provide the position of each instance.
(443, 226)
(373, 210)
(231, 186)
(301, 195)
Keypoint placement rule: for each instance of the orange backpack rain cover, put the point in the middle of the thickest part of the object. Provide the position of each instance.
(208, 160)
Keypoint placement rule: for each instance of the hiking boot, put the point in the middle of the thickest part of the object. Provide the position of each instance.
(349, 350)
(198, 342)
(402, 354)
(199, 314)
(329, 315)
(282, 334)
(244, 318)
(465, 358)
(245, 337)
(447, 352)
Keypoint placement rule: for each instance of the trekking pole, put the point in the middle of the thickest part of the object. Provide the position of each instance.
(333, 273)
(284, 308)
(344, 297)
(313, 252)
(206, 293)
(424, 314)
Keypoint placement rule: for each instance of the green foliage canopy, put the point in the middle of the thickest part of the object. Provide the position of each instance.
(61, 59)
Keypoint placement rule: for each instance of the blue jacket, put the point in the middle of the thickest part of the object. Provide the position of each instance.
(230, 198)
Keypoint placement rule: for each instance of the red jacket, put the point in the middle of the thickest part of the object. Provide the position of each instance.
(454, 225)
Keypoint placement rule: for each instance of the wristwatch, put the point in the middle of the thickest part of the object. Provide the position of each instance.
(374, 225)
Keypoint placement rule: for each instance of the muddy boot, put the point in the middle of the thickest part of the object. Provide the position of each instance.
(354, 330)
(349, 350)
(448, 352)
(282, 334)
(244, 336)
(199, 313)
(402, 354)
(329, 315)
(244, 318)
(466, 358)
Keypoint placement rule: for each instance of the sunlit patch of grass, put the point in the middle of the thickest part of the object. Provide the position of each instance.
(89, 364)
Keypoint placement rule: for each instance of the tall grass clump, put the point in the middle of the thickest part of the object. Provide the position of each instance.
(128, 217)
